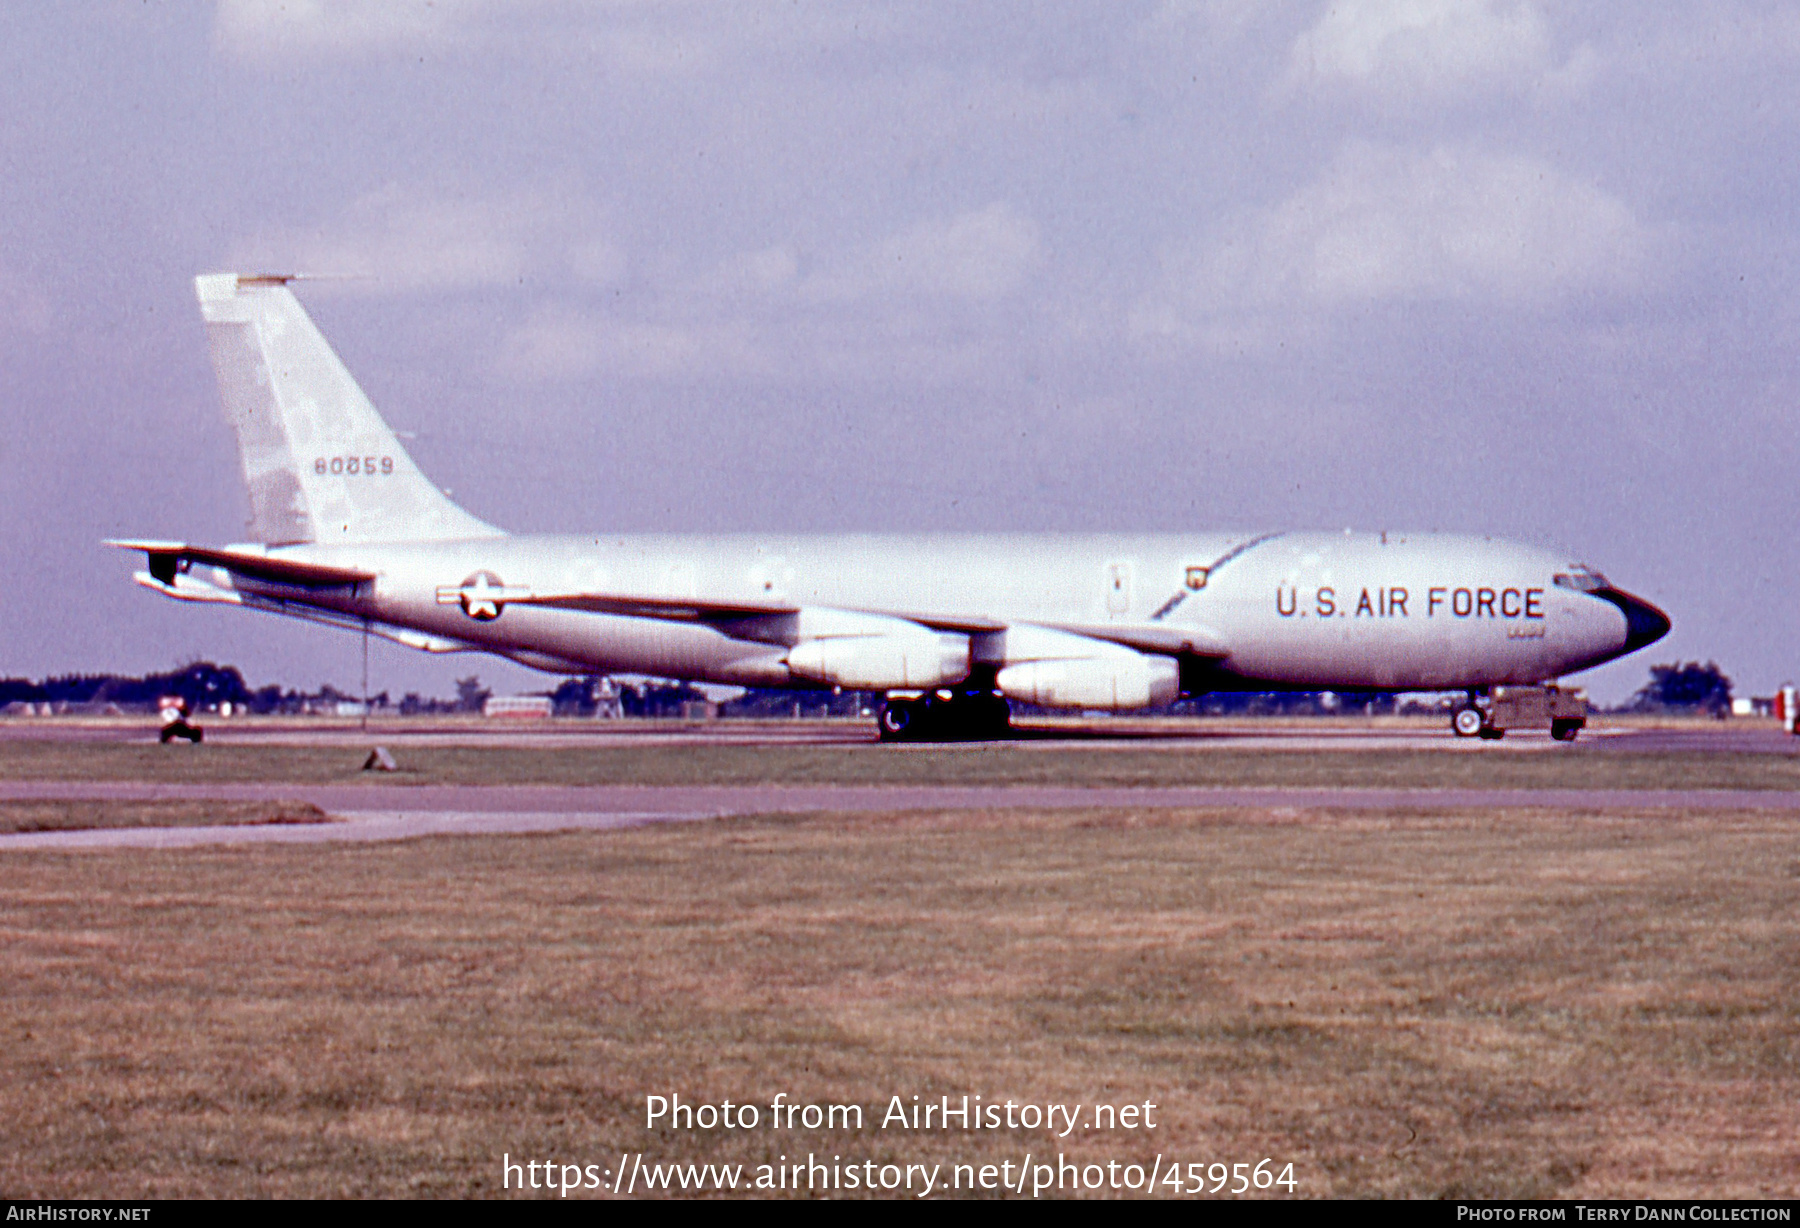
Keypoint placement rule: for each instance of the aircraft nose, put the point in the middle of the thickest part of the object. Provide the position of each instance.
(1644, 623)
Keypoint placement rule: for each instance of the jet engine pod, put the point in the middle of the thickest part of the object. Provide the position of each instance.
(1055, 669)
(867, 652)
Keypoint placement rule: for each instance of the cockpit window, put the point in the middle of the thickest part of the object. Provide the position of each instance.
(1581, 578)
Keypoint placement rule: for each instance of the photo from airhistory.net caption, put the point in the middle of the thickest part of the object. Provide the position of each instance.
(1141, 1169)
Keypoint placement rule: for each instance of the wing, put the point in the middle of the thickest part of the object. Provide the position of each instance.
(695, 609)
(670, 609)
(1160, 638)
(1163, 639)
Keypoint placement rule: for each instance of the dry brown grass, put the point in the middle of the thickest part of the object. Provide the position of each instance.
(1519, 1004)
(79, 814)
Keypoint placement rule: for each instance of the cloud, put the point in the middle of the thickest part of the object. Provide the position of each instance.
(568, 344)
(771, 273)
(259, 29)
(1208, 27)
(1724, 42)
(641, 37)
(1422, 47)
(984, 254)
(403, 242)
(907, 308)
(1391, 225)
(571, 343)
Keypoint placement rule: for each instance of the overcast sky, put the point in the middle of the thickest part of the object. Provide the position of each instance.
(1522, 269)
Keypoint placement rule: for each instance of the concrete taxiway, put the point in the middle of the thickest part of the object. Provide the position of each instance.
(1124, 733)
(380, 812)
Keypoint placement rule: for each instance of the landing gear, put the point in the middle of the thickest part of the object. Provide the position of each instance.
(1471, 721)
(896, 719)
(969, 714)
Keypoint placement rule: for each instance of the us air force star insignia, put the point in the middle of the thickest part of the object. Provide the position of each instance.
(481, 596)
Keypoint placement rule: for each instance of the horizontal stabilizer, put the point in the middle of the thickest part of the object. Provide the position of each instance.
(187, 588)
(169, 559)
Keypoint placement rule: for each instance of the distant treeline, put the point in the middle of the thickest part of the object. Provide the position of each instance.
(203, 684)
(1689, 687)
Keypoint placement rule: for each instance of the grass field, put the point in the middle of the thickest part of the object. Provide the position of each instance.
(1504, 1003)
(76, 815)
(1024, 763)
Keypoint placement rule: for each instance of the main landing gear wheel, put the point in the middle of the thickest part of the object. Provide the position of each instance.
(970, 716)
(896, 720)
(1467, 722)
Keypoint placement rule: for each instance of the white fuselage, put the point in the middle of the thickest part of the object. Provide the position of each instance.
(1300, 610)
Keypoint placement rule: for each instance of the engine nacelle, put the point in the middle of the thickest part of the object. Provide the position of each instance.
(867, 652)
(1055, 669)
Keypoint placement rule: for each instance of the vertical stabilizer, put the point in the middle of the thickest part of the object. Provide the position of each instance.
(320, 464)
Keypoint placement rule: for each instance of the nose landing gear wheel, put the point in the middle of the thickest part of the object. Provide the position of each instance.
(1466, 722)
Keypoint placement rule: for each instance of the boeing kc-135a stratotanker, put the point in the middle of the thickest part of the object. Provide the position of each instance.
(346, 530)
